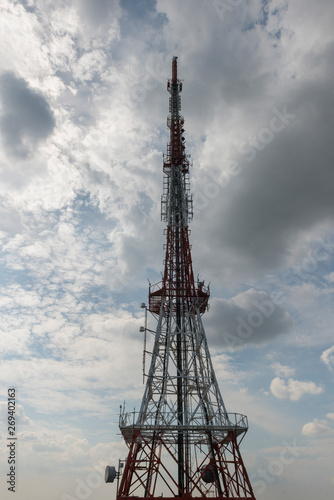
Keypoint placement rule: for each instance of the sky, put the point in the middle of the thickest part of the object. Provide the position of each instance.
(83, 108)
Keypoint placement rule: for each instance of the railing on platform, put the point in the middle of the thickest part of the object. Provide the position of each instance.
(229, 421)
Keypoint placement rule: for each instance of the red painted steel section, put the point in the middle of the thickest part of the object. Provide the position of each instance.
(178, 280)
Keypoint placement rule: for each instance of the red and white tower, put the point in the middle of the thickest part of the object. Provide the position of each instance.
(182, 442)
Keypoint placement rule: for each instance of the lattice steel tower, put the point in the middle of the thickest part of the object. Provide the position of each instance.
(182, 442)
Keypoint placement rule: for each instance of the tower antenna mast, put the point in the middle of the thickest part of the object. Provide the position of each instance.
(182, 442)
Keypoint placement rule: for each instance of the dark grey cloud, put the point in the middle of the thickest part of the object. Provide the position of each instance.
(26, 117)
(249, 319)
(282, 192)
(288, 190)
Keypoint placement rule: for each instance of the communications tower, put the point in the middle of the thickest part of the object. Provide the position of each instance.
(182, 442)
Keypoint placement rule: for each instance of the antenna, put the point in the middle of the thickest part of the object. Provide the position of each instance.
(182, 442)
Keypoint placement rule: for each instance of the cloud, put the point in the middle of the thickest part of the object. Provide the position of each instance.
(293, 389)
(317, 428)
(80, 201)
(63, 447)
(26, 117)
(260, 412)
(21, 418)
(283, 370)
(91, 351)
(328, 357)
(330, 277)
(99, 14)
(248, 319)
(273, 208)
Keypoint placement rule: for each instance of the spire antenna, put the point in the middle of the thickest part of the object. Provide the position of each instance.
(182, 442)
(174, 69)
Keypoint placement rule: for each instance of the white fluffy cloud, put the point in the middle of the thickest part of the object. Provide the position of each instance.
(328, 357)
(293, 389)
(317, 428)
(283, 370)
